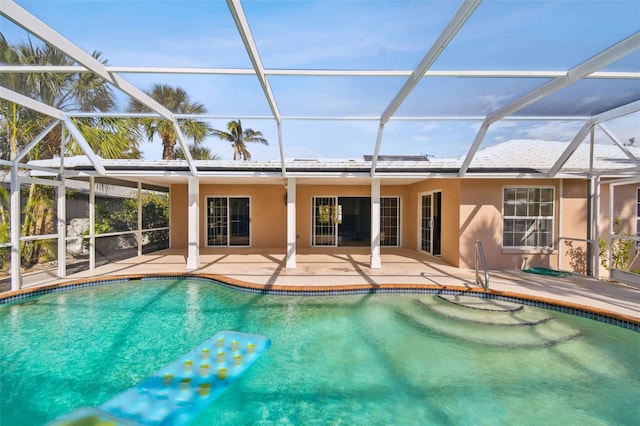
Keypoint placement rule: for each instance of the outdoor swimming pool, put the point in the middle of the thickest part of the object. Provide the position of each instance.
(358, 359)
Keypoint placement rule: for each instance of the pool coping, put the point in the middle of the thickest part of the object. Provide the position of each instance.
(598, 314)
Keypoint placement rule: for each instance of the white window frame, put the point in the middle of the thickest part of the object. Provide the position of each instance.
(399, 219)
(529, 217)
(228, 198)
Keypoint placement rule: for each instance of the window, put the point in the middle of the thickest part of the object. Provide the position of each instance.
(389, 221)
(228, 221)
(528, 217)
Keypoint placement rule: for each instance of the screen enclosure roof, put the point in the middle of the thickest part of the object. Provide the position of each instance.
(347, 79)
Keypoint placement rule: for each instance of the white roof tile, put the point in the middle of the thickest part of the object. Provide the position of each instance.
(513, 154)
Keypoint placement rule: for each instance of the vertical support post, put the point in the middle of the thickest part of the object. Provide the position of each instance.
(596, 227)
(611, 220)
(560, 219)
(62, 212)
(193, 256)
(376, 261)
(62, 229)
(16, 275)
(92, 223)
(139, 231)
(590, 236)
(291, 223)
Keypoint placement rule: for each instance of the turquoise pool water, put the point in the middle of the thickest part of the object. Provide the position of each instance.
(362, 359)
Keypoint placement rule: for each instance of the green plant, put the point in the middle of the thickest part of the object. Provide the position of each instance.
(620, 250)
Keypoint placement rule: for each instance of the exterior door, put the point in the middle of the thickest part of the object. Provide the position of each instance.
(325, 221)
(430, 223)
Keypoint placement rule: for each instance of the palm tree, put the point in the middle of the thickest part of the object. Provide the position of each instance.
(86, 92)
(65, 91)
(198, 152)
(238, 139)
(177, 101)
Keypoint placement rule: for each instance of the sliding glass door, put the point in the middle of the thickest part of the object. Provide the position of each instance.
(228, 221)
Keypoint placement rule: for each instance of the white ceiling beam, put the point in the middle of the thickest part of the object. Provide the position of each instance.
(609, 56)
(17, 69)
(619, 144)
(326, 117)
(37, 139)
(582, 133)
(461, 16)
(29, 22)
(482, 132)
(84, 145)
(30, 103)
(58, 115)
(235, 7)
(621, 111)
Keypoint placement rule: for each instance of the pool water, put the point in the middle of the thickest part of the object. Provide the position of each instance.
(360, 359)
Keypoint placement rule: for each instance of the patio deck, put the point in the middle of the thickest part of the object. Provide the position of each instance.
(340, 267)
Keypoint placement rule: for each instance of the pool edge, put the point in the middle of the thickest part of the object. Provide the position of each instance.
(598, 314)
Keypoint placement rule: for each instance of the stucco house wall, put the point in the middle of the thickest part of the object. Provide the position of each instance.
(471, 210)
(450, 216)
(178, 216)
(574, 226)
(481, 219)
(268, 213)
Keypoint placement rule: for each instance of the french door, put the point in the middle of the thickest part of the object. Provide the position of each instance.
(326, 218)
(430, 222)
(228, 221)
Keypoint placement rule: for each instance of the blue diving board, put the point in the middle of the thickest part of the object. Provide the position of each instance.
(177, 393)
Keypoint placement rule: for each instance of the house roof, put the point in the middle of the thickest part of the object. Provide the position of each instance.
(514, 158)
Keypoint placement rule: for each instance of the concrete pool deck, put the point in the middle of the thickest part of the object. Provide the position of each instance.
(339, 267)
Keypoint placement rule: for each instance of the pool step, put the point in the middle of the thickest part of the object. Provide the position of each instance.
(512, 314)
(516, 328)
(481, 303)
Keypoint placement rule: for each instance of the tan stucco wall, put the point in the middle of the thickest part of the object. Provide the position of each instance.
(267, 208)
(268, 213)
(178, 216)
(574, 225)
(481, 219)
(624, 209)
(471, 210)
(450, 216)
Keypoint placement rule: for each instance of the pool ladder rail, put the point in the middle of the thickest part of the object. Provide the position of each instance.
(480, 259)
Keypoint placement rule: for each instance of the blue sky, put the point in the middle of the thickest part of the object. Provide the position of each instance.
(357, 35)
